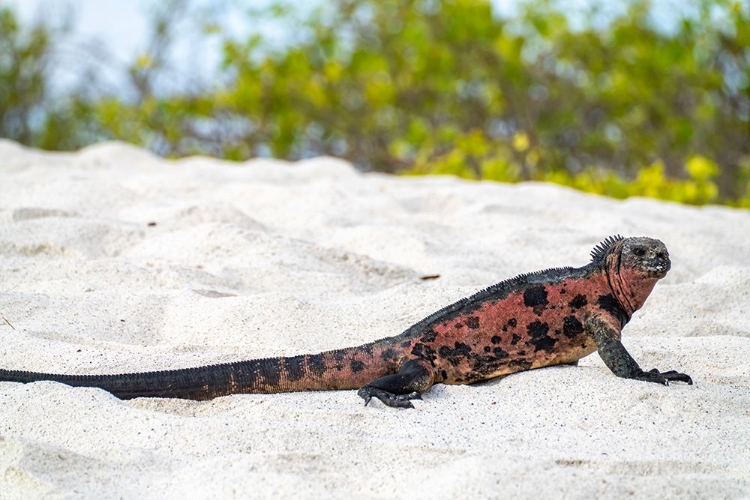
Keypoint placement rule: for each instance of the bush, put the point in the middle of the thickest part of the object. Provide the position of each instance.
(620, 107)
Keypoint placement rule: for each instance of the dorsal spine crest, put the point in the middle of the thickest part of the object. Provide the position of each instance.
(601, 250)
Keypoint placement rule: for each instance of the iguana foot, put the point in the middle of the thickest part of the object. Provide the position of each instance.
(664, 377)
(388, 398)
(397, 389)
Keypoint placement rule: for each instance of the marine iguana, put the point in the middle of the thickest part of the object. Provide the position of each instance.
(544, 318)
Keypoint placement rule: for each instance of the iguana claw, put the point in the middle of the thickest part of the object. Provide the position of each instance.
(664, 377)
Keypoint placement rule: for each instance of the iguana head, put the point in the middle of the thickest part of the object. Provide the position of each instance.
(645, 256)
(633, 266)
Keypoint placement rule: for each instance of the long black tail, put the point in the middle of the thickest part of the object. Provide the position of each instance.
(341, 369)
(205, 382)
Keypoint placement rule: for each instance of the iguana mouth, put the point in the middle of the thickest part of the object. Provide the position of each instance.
(658, 270)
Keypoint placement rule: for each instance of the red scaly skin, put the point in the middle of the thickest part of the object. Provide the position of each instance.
(541, 319)
(538, 326)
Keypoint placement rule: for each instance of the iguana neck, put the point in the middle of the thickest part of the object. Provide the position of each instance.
(630, 286)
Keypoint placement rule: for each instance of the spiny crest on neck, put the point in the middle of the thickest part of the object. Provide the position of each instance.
(600, 251)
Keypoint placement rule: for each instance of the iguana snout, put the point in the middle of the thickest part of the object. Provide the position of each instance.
(647, 255)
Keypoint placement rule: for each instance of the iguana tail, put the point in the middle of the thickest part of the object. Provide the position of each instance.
(340, 369)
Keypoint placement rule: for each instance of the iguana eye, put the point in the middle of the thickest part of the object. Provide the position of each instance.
(639, 252)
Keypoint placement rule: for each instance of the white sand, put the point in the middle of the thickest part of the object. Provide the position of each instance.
(270, 258)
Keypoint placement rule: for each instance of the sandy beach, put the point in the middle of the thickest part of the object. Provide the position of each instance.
(113, 260)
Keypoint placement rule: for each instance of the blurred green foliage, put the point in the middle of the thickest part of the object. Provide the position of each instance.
(22, 77)
(620, 107)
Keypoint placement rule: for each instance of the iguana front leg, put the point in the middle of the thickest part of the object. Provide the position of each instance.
(396, 390)
(618, 359)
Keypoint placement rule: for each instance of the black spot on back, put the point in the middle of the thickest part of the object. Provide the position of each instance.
(535, 296)
(428, 336)
(571, 326)
(578, 301)
(425, 352)
(537, 329)
(495, 339)
(462, 349)
(539, 338)
(445, 353)
(545, 344)
(454, 355)
(512, 322)
(499, 353)
(472, 322)
(357, 366)
(515, 339)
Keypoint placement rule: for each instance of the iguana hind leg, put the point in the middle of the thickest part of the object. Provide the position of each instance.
(414, 378)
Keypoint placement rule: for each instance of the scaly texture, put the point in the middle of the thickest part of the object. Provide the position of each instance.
(550, 317)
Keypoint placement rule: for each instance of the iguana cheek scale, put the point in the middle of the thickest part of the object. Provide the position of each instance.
(546, 318)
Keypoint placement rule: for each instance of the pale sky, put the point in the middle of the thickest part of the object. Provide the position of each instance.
(119, 29)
